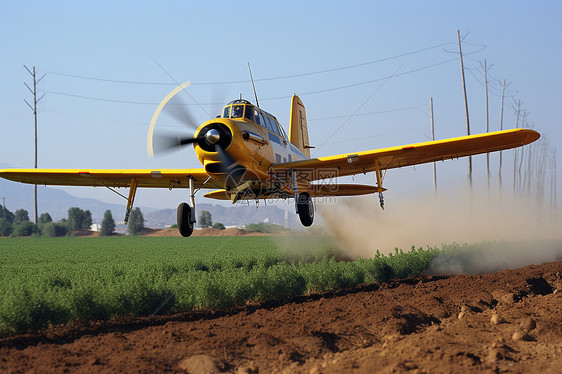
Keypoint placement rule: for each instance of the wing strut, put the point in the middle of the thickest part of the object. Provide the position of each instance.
(379, 183)
(295, 188)
(131, 199)
(192, 193)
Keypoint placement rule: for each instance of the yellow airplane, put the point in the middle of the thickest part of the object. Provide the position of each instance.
(246, 155)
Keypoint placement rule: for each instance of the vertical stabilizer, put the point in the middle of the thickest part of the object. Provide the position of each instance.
(298, 130)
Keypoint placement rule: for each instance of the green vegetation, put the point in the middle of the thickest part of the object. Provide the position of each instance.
(25, 228)
(205, 219)
(53, 229)
(45, 218)
(18, 224)
(107, 224)
(21, 216)
(6, 214)
(79, 219)
(219, 226)
(136, 222)
(46, 281)
(267, 228)
(6, 227)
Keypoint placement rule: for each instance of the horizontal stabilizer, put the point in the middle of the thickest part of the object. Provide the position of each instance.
(342, 189)
(218, 195)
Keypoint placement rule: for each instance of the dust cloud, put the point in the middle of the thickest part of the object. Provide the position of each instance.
(517, 232)
(487, 257)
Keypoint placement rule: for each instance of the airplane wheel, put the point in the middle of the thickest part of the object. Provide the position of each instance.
(305, 209)
(185, 226)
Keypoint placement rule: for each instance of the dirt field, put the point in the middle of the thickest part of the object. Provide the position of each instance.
(174, 232)
(503, 322)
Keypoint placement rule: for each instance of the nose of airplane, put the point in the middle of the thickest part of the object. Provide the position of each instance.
(212, 136)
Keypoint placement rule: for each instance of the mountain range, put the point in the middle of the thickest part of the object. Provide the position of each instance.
(57, 202)
(237, 215)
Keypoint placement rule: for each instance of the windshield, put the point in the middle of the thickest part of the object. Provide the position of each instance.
(226, 113)
(237, 111)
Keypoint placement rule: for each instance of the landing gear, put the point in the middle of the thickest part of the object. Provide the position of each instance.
(303, 203)
(186, 214)
(185, 221)
(305, 209)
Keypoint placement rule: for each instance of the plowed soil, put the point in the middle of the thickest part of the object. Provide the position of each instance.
(510, 321)
(233, 231)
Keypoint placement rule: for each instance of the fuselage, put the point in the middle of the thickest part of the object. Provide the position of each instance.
(249, 135)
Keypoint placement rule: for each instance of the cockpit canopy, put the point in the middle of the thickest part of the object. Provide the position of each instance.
(244, 110)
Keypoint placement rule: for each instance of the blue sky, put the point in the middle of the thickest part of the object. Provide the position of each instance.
(212, 42)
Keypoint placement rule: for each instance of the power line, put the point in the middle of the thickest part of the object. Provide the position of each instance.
(257, 80)
(109, 80)
(354, 66)
(376, 136)
(373, 80)
(266, 99)
(140, 123)
(103, 99)
(495, 91)
(362, 105)
(362, 114)
(478, 79)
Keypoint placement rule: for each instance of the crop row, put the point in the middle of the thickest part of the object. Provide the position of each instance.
(55, 281)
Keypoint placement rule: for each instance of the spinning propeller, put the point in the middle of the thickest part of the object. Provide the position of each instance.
(212, 138)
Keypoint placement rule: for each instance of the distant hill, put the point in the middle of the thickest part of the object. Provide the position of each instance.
(56, 202)
(236, 215)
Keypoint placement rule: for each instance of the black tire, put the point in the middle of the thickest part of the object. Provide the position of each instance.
(305, 209)
(185, 226)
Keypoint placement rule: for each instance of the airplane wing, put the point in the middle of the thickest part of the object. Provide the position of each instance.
(165, 178)
(406, 155)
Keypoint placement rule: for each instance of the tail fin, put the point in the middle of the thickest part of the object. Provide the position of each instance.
(298, 130)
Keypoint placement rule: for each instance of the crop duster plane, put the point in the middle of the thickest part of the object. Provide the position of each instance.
(246, 155)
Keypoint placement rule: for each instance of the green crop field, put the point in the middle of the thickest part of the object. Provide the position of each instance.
(50, 281)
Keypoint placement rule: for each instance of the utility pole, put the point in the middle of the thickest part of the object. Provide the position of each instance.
(501, 128)
(466, 110)
(34, 109)
(487, 121)
(515, 150)
(524, 151)
(433, 139)
(554, 204)
(4, 202)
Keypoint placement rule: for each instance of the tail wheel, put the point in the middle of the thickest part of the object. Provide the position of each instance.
(185, 225)
(305, 209)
